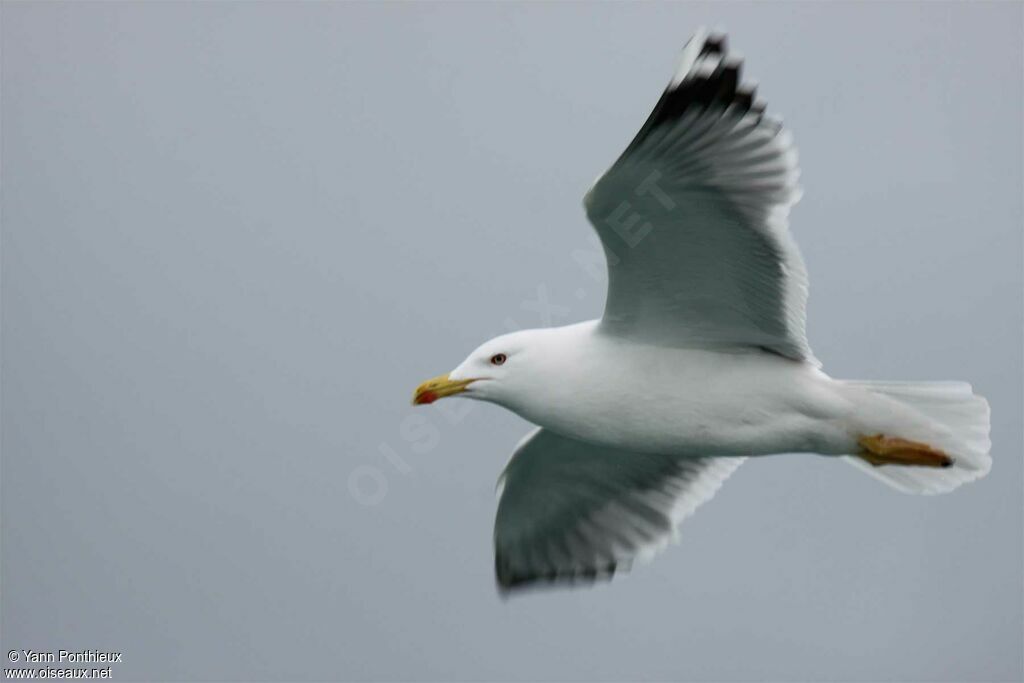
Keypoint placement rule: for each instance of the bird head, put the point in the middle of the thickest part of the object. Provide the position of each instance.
(496, 371)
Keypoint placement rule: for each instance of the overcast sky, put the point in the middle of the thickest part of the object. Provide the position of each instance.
(237, 235)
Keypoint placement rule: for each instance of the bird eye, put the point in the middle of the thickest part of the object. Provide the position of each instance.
(498, 359)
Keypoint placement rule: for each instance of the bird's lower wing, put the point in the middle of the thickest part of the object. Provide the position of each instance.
(570, 510)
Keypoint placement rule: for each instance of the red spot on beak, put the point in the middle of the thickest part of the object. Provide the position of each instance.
(426, 397)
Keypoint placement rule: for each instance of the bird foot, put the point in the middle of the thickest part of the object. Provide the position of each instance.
(887, 450)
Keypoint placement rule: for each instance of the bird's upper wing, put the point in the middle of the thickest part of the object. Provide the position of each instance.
(693, 218)
(571, 510)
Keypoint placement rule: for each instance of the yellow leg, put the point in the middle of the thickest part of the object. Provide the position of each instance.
(887, 450)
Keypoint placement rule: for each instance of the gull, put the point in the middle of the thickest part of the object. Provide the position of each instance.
(700, 358)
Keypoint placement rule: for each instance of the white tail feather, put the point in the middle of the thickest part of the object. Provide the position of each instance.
(956, 422)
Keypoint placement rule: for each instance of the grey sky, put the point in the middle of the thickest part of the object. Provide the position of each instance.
(236, 236)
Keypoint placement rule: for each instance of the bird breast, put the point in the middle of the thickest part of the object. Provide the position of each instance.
(687, 401)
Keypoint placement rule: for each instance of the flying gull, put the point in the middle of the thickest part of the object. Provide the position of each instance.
(700, 358)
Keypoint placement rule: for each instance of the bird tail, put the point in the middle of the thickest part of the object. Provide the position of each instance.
(947, 416)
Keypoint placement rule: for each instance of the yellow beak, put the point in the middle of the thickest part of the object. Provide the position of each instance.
(438, 387)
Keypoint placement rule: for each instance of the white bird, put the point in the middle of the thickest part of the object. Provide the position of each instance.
(701, 356)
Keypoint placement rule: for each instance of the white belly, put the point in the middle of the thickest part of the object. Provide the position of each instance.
(689, 401)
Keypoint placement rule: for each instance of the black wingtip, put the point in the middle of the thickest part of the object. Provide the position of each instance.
(745, 97)
(719, 88)
(715, 44)
(509, 582)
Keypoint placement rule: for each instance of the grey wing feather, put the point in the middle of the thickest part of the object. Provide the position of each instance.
(574, 511)
(693, 218)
